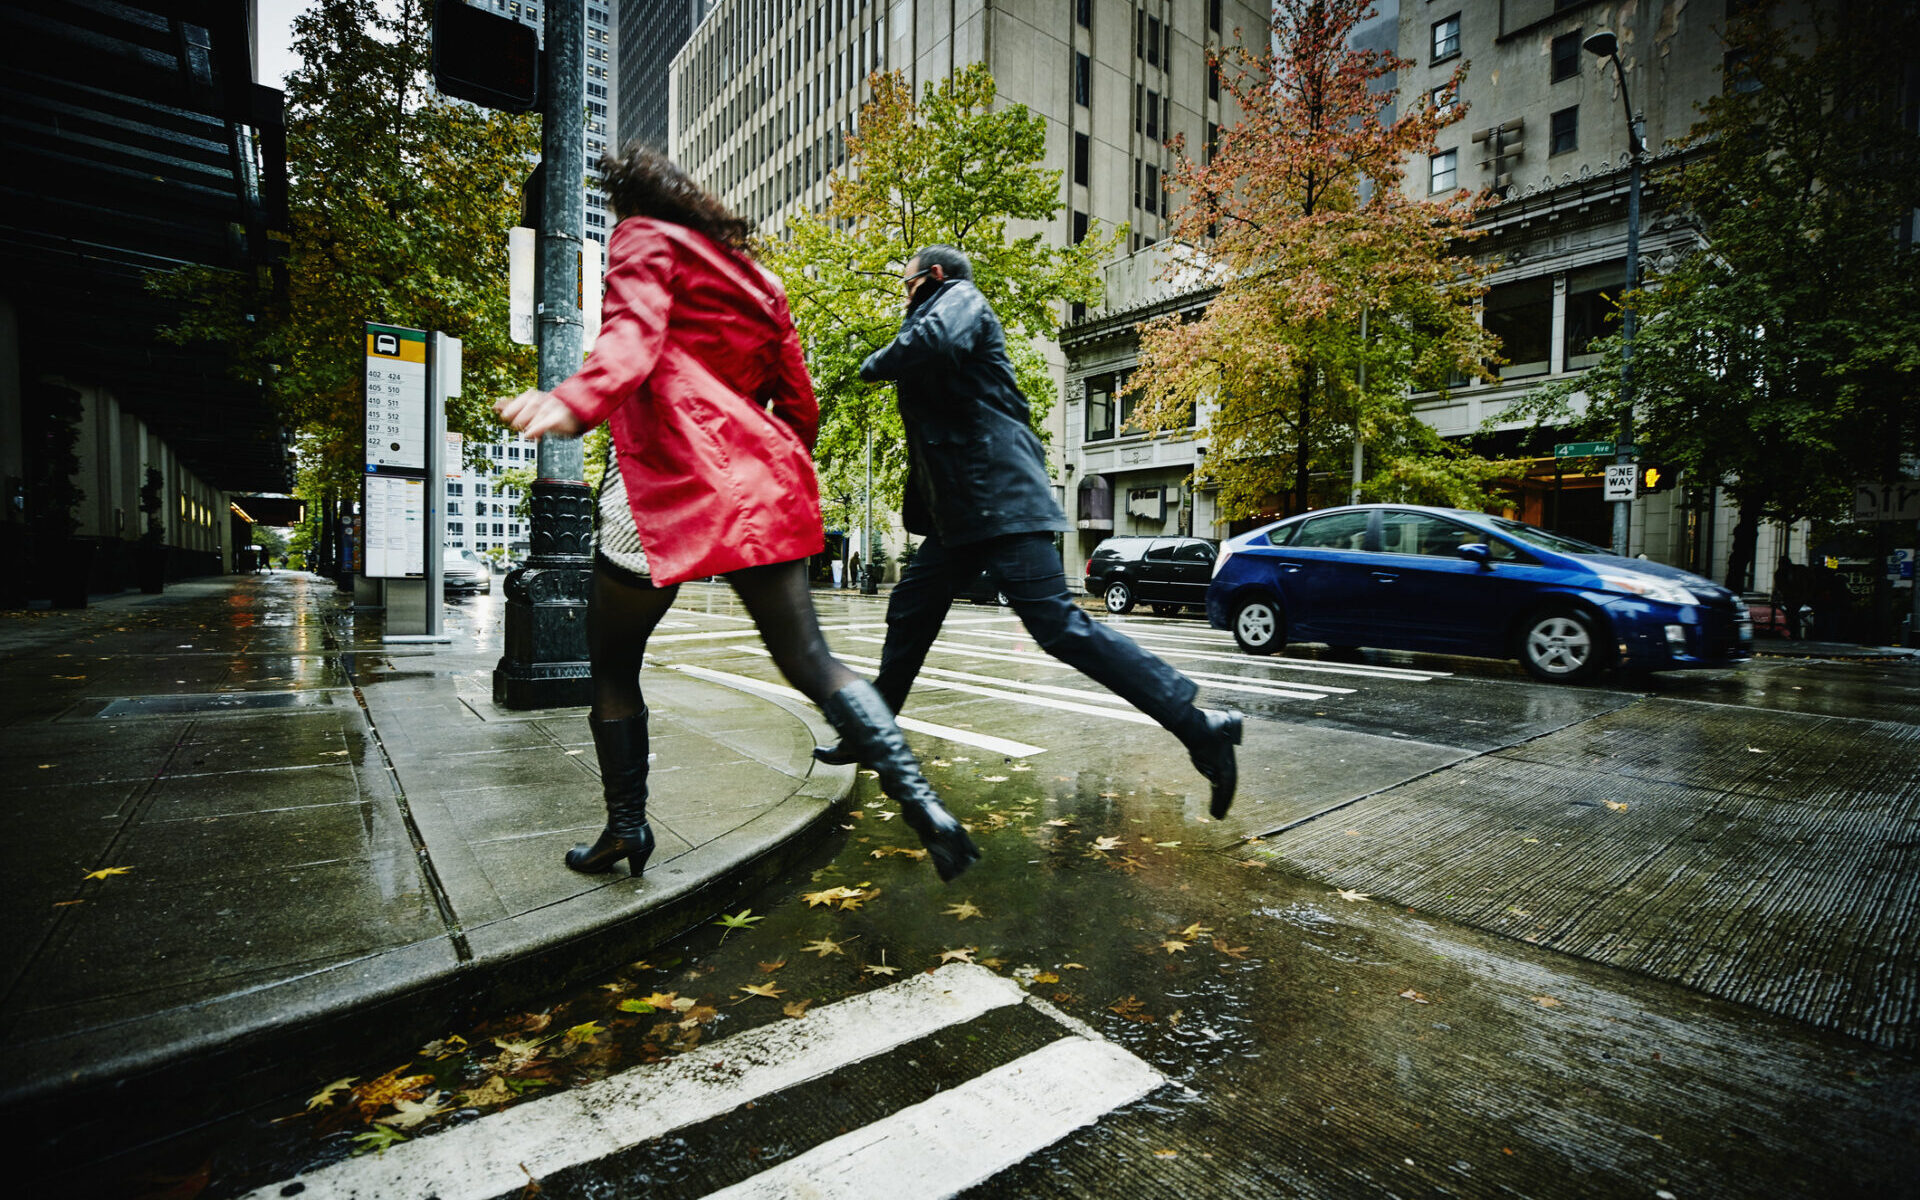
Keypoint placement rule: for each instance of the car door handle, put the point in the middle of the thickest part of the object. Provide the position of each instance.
(1384, 577)
(1288, 566)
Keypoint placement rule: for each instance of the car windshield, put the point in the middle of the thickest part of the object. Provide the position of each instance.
(1521, 532)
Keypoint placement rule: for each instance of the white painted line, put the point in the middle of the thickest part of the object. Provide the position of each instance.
(483, 1159)
(1277, 663)
(1074, 693)
(712, 634)
(984, 741)
(964, 1135)
(1228, 683)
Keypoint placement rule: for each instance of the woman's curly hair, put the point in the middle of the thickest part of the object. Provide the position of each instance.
(642, 182)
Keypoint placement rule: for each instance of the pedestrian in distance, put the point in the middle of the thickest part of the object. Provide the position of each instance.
(699, 373)
(978, 492)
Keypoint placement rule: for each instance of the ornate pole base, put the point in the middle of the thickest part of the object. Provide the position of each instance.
(545, 660)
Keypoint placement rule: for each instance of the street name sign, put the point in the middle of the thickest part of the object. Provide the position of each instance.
(1621, 478)
(1896, 501)
(1582, 449)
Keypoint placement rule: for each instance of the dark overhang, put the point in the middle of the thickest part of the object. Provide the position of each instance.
(135, 140)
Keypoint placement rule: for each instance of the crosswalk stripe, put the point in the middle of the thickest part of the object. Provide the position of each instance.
(968, 737)
(1279, 664)
(1227, 683)
(964, 1135)
(1049, 689)
(707, 635)
(485, 1158)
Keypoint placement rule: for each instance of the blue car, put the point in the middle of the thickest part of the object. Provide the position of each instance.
(1454, 582)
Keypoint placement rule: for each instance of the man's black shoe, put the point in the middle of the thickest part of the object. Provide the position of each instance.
(1212, 753)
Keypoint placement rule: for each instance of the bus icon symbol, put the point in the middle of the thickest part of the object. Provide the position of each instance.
(386, 343)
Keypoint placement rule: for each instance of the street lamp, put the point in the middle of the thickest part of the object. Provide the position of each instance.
(1604, 44)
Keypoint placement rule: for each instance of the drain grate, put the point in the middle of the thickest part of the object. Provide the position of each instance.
(217, 702)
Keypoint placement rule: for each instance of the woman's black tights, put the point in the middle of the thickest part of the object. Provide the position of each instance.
(621, 617)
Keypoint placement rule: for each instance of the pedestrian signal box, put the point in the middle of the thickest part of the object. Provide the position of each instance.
(489, 59)
(1656, 477)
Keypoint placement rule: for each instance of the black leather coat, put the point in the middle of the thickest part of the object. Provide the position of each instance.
(975, 468)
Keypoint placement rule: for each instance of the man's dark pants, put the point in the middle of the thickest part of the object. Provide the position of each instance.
(1026, 568)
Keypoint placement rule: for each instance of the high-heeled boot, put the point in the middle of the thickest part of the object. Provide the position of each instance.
(867, 729)
(621, 746)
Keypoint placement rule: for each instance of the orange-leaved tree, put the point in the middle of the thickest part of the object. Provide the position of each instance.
(1300, 218)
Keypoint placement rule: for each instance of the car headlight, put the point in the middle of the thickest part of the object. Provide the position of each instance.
(1666, 591)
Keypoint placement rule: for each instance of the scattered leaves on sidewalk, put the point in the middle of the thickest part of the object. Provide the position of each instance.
(374, 1095)
(494, 1091)
(445, 1047)
(898, 852)
(1106, 843)
(1350, 895)
(584, 1033)
(324, 1097)
(103, 872)
(795, 1008)
(1414, 996)
(962, 910)
(1239, 952)
(377, 1140)
(515, 1054)
(768, 989)
(739, 920)
(635, 1006)
(824, 947)
(1131, 1008)
(881, 967)
(1616, 806)
(770, 968)
(1171, 946)
(1545, 1001)
(1060, 823)
(964, 954)
(408, 1114)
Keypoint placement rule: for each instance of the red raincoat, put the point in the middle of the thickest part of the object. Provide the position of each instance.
(699, 370)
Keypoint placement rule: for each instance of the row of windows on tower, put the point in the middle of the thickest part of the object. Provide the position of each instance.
(1083, 17)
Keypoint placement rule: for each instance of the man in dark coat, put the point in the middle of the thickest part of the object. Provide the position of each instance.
(978, 492)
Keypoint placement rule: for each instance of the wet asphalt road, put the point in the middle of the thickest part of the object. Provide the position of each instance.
(1320, 1038)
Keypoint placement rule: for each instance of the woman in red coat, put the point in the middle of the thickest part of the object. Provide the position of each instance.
(698, 370)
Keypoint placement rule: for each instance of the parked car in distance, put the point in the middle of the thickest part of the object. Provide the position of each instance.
(983, 590)
(1166, 573)
(1456, 582)
(465, 571)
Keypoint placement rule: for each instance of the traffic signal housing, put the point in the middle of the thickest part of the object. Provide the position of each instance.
(486, 58)
(1657, 477)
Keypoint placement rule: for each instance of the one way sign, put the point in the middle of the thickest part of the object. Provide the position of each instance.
(1897, 501)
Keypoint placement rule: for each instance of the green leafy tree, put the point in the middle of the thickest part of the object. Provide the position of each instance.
(399, 202)
(949, 168)
(1299, 217)
(1779, 361)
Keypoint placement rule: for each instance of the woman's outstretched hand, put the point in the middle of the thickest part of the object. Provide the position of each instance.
(537, 413)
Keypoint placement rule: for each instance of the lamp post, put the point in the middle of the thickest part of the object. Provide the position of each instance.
(1604, 44)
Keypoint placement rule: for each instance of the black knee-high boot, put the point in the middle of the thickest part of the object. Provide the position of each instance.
(867, 728)
(621, 745)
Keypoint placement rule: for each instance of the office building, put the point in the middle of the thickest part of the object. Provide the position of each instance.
(651, 32)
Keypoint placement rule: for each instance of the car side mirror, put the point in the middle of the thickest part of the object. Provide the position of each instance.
(1475, 552)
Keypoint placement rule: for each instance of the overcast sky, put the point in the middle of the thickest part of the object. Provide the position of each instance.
(275, 40)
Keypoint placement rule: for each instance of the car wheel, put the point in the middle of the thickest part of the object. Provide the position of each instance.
(1560, 646)
(1166, 610)
(1000, 598)
(1258, 627)
(1119, 597)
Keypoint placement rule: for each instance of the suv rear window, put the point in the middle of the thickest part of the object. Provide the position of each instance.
(1128, 548)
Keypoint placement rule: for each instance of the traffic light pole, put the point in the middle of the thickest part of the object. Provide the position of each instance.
(544, 663)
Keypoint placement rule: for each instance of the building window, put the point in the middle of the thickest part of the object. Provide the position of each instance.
(1099, 408)
(1564, 132)
(1136, 185)
(1213, 142)
(1566, 56)
(1153, 41)
(456, 488)
(1140, 33)
(457, 527)
(1153, 189)
(1082, 79)
(1079, 227)
(1443, 171)
(453, 508)
(1082, 151)
(1593, 295)
(1139, 102)
(1446, 37)
(1083, 13)
(1153, 115)
(1521, 316)
(1441, 98)
(1213, 79)
(1213, 15)
(1736, 72)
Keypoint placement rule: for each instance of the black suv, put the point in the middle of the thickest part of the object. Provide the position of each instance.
(1168, 573)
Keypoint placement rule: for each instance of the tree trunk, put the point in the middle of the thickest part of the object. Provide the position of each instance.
(1740, 549)
(1303, 454)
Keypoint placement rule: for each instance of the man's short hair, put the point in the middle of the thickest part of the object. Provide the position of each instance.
(954, 264)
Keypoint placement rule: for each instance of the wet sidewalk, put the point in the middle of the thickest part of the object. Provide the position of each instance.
(243, 827)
